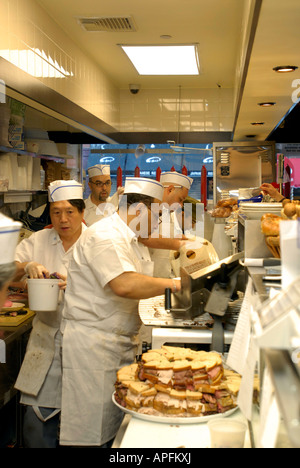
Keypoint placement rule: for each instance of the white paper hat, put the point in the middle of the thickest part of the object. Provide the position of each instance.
(99, 170)
(175, 178)
(9, 237)
(61, 190)
(144, 186)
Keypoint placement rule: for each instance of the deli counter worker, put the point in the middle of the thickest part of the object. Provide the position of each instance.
(108, 275)
(99, 204)
(45, 252)
(9, 237)
(176, 189)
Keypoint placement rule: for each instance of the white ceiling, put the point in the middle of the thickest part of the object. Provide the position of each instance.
(219, 29)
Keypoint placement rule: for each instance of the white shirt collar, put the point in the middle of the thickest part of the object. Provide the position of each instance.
(54, 236)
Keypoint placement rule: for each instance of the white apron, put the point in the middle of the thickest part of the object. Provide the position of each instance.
(39, 379)
(96, 344)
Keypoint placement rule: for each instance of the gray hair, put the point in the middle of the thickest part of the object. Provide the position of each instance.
(7, 272)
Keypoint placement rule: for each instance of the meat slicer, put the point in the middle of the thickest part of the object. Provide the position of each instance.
(209, 290)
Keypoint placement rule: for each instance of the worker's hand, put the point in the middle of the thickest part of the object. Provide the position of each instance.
(193, 244)
(271, 190)
(120, 190)
(35, 271)
(63, 283)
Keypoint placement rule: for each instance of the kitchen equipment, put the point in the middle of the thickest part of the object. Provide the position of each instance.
(193, 256)
(251, 240)
(190, 311)
(199, 282)
(244, 164)
(43, 294)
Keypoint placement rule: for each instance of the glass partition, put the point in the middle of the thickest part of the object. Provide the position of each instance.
(149, 157)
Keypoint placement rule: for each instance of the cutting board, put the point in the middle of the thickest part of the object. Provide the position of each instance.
(15, 321)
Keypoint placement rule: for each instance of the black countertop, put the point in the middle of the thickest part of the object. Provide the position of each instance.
(15, 339)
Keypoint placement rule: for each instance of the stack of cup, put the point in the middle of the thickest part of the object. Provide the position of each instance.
(227, 433)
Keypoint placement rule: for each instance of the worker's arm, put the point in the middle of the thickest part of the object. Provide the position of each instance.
(272, 191)
(164, 243)
(133, 285)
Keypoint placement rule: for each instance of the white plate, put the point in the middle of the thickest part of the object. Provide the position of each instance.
(14, 307)
(171, 419)
(255, 215)
(267, 210)
(261, 206)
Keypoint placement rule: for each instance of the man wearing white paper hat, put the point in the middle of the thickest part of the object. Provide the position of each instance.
(99, 204)
(176, 189)
(44, 253)
(109, 274)
(9, 237)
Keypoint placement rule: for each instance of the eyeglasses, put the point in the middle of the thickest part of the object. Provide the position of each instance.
(101, 184)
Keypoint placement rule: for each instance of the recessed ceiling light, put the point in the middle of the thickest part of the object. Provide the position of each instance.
(165, 36)
(164, 59)
(258, 123)
(267, 104)
(285, 69)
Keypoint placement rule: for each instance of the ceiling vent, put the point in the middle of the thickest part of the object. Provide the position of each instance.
(108, 24)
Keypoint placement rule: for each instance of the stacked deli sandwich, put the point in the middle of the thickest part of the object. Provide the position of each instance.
(180, 382)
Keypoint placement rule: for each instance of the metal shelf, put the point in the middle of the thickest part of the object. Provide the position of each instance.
(61, 159)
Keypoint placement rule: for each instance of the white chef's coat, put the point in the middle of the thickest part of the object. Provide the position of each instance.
(99, 330)
(94, 213)
(40, 381)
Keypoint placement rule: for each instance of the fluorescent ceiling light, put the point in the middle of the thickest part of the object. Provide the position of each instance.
(164, 60)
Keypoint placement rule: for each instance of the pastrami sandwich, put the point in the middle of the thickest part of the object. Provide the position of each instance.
(170, 402)
(125, 376)
(177, 381)
(139, 395)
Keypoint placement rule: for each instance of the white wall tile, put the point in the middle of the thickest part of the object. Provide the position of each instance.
(87, 86)
(200, 110)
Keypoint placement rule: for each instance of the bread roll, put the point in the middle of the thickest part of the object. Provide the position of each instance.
(221, 212)
(290, 210)
(270, 225)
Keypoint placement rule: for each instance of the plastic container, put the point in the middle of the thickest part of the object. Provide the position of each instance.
(226, 433)
(43, 294)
